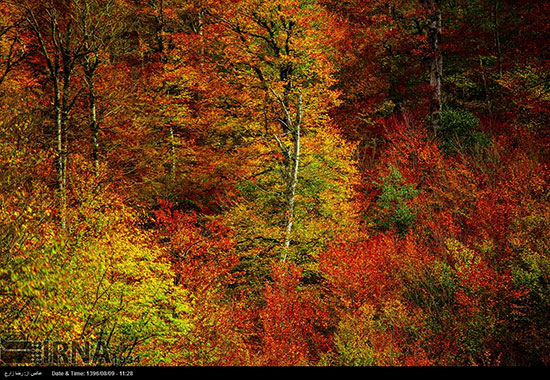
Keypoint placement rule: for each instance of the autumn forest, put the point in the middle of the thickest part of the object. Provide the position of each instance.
(277, 183)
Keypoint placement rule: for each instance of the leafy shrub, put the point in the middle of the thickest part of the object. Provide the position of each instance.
(459, 132)
(393, 209)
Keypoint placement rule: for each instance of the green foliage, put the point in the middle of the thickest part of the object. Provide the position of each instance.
(323, 207)
(530, 271)
(104, 284)
(353, 342)
(375, 336)
(393, 211)
(459, 132)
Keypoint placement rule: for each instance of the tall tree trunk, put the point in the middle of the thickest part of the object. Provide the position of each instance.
(160, 27)
(66, 105)
(94, 124)
(60, 56)
(292, 164)
(172, 154)
(436, 62)
(497, 35)
(291, 189)
(61, 161)
(200, 30)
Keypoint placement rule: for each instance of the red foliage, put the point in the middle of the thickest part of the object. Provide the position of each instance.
(202, 256)
(294, 322)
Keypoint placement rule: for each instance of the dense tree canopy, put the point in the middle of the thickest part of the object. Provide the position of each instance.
(284, 182)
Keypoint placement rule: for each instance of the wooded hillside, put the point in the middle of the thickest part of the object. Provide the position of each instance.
(277, 183)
